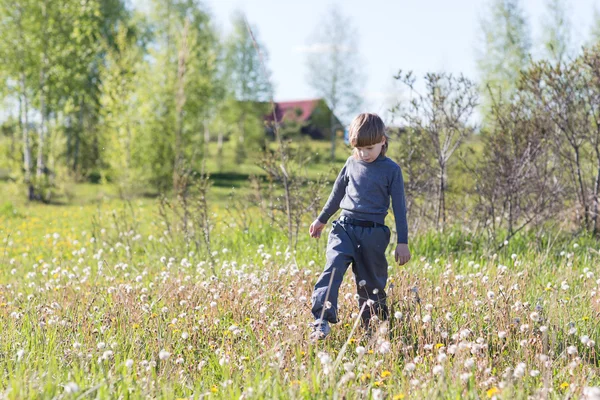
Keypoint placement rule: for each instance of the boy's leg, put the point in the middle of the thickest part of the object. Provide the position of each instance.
(371, 272)
(339, 255)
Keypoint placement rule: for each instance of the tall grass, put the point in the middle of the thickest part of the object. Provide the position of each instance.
(92, 307)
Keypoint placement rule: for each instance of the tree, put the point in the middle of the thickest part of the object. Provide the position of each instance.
(569, 95)
(179, 85)
(442, 115)
(515, 179)
(248, 87)
(595, 31)
(334, 67)
(119, 111)
(556, 31)
(506, 48)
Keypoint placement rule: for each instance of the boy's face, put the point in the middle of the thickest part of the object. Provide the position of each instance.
(370, 153)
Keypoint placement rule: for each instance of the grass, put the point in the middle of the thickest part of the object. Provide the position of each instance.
(99, 300)
(105, 311)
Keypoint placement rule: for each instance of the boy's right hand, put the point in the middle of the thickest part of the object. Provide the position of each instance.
(315, 228)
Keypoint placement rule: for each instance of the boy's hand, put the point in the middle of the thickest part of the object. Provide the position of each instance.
(402, 253)
(315, 228)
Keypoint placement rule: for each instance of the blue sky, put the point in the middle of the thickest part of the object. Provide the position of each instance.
(418, 35)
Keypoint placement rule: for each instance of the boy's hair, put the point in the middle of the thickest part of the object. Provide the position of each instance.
(367, 129)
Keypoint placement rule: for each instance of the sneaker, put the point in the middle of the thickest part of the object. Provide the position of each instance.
(321, 330)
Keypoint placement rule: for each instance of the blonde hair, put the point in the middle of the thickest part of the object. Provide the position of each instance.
(367, 129)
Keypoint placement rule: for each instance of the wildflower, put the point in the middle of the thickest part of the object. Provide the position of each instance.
(534, 316)
(591, 392)
(572, 350)
(385, 374)
(164, 355)
(376, 394)
(438, 369)
(398, 315)
(442, 357)
(492, 391)
(534, 373)
(564, 385)
(410, 367)
(360, 350)
(585, 339)
(502, 334)
(129, 363)
(71, 387)
(384, 347)
(465, 376)
(470, 363)
(519, 370)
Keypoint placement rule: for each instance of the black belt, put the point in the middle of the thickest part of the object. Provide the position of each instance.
(360, 222)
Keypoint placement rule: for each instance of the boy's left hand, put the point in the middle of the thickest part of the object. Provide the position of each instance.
(402, 253)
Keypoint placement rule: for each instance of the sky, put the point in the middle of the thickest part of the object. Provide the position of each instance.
(418, 35)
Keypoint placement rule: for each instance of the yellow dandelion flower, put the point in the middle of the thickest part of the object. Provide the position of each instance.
(385, 374)
(364, 377)
(438, 345)
(491, 392)
(564, 385)
(399, 396)
(214, 389)
(352, 340)
(378, 383)
(370, 351)
(135, 326)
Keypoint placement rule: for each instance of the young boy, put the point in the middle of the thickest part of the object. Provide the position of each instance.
(362, 190)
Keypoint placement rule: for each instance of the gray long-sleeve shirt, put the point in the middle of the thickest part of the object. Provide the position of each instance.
(363, 190)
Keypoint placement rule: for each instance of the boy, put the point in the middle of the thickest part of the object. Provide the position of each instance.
(362, 190)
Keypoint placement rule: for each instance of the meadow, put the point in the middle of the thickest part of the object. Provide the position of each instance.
(102, 298)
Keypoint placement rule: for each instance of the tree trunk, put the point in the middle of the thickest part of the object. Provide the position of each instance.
(40, 153)
(179, 104)
(77, 133)
(332, 129)
(24, 118)
(206, 137)
(582, 188)
(596, 193)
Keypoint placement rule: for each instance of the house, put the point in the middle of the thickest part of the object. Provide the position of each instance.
(307, 117)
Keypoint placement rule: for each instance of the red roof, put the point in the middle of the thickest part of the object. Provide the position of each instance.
(294, 110)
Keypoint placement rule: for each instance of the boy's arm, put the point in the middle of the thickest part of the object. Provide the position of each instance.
(336, 196)
(399, 205)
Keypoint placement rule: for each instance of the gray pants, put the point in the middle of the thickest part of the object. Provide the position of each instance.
(364, 247)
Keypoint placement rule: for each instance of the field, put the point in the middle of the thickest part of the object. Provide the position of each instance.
(98, 299)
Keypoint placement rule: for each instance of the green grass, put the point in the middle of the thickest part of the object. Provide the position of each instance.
(95, 292)
(75, 309)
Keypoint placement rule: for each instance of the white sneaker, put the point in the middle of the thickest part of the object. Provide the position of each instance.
(321, 330)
